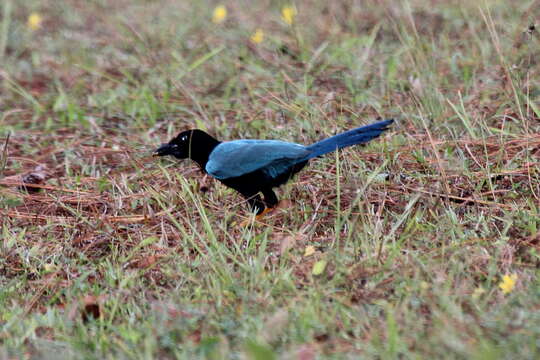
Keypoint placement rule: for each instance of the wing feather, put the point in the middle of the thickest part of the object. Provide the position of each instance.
(236, 158)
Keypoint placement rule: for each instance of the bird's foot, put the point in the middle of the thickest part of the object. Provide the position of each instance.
(258, 217)
(264, 212)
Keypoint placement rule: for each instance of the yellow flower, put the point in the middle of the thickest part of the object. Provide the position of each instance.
(257, 37)
(220, 14)
(34, 21)
(288, 13)
(49, 267)
(508, 283)
(310, 250)
(479, 291)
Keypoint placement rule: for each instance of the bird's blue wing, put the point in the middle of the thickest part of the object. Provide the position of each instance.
(236, 158)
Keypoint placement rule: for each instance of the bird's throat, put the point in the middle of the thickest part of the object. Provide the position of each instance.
(201, 154)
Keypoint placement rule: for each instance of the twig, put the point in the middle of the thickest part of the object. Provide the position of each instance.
(4, 155)
(461, 199)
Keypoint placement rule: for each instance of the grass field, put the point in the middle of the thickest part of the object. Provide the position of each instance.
(424, 243)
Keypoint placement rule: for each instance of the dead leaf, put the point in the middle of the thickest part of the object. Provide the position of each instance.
(145, 262)
(89, 307)
(306, 352)
(416, 85)
(171, 311)
(275, 325)
(283, 241)
(328, 101)
(284, 204)
(204, 184)
(290, 241)
(286, 243)
(36, 177)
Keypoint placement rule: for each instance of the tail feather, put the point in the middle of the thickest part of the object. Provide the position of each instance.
(352, 137)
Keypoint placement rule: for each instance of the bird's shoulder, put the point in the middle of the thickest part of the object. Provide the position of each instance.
(276, 146)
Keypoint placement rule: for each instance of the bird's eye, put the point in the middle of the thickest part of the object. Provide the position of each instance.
(184, 138)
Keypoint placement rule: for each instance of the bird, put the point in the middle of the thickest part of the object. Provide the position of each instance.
(253, 167)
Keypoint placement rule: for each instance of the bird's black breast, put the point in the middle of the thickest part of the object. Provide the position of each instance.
(259, 180)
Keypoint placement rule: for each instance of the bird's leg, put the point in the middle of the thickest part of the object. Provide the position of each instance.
(270, 198)
(270, 201)
(255, 203)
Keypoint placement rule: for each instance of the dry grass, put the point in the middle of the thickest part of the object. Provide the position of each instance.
(109, 252)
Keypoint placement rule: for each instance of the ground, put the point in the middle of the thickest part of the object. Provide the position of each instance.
(422, 244)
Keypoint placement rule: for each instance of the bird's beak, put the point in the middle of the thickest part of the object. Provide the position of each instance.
(164, 149)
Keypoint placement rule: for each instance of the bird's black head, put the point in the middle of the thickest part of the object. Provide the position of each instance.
(194, 144)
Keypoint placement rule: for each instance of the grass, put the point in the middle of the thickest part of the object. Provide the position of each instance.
(121, 255)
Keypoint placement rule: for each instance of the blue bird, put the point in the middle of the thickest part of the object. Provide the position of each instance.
(257, 166)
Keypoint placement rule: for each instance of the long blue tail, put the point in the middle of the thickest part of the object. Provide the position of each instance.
(352, 137)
